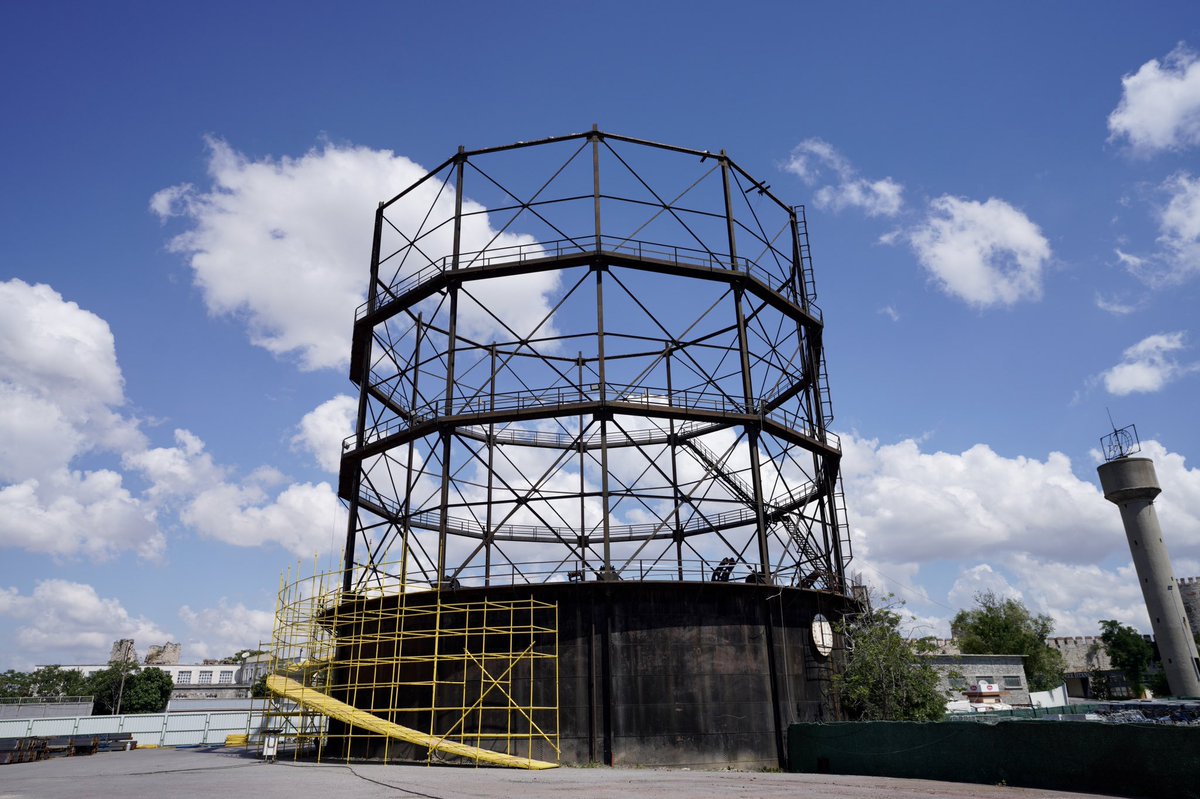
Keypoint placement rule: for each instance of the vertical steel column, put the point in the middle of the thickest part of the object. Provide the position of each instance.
(582, 541)
(352, 520)
(676, 495)
(747, 386)
(452, 336)
(488, 533)
(599, 269)
(409, 478)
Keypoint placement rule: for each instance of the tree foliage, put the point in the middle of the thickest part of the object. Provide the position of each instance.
(885, 674)
(108, 687)
(140, 690)
(46, 681)
(1129, 653)
(148, 691)
(998, 626)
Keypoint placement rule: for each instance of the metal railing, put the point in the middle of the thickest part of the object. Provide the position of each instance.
(563, 397)
(497, 257)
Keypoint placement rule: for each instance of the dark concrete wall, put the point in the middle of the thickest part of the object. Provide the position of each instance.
(702, 674)
(1092, 757)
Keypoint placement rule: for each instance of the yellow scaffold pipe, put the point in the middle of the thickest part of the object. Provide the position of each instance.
(335, 709)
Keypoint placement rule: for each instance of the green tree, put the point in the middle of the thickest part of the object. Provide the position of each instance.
(14, 683)
(998, 626)
(57, 681)
(148, 691)
(128, 688)
(1128, 652)
(108, 687)
(885, 675)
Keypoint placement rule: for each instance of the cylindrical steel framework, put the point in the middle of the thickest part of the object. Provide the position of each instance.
(591, 358)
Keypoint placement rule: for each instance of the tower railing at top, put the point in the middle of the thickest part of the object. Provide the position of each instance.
(498, 257)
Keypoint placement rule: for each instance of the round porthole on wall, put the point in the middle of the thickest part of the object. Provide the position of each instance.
(822, 635)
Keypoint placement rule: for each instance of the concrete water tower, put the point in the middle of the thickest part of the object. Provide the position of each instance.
(1131, 484)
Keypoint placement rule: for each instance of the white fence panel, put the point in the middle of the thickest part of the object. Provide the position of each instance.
(185, 729)
(97, 725)
(51, 727)
(14, 728)
(223, 724)
(148, 729)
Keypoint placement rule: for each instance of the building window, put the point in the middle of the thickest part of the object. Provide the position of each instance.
(226, 677)
(1012, 681)
(183, 678)
(958, 682)
(983, 678)
(205, 677)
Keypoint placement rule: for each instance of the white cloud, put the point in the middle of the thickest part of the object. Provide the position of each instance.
(59, 383)
(1179, 227)
(77, 513)
(229, 627)
(1078, 595)
(285, 244)
(1177, 257)
(979, 579)
(985, 253)
(60, 391)
(1160, 104)
(176, 471)
(1114, 306)
(68, 622)
(323, 429)
(912, 506)
(1148, 366)
(1032, 529)
(812, 158)
(304, 518)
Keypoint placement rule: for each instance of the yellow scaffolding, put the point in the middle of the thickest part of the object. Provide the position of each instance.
(397, 672)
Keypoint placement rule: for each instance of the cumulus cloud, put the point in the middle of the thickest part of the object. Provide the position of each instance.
(910, 505)
(77, 513)
(61, 392)
(1148, 366)
(1160, 104)
(60, 385)
(67, 622)
(304, 518)
(985, 253)
(323, 429)
(815, 160)
(229, 627)
(285, 244)
(176, 471)
(981, 578)
(1030, 528)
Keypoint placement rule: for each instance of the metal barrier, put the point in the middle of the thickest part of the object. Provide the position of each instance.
(148, 729)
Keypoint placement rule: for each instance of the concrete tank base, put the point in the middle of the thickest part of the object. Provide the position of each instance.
(649, 673)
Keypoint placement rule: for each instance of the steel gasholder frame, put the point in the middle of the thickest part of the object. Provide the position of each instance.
(547, 391)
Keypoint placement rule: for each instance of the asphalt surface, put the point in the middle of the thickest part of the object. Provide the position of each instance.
(223, 774)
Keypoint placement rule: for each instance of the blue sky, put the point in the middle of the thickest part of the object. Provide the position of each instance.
(1004, 209)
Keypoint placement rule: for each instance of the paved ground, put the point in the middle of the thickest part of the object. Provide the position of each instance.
(219, 774)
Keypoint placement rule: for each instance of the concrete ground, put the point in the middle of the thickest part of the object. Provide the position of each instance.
(222, 774)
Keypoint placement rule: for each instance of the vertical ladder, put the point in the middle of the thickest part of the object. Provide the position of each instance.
(806, 270)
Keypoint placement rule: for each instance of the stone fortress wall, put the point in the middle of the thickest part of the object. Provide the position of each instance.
(1189, 592)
